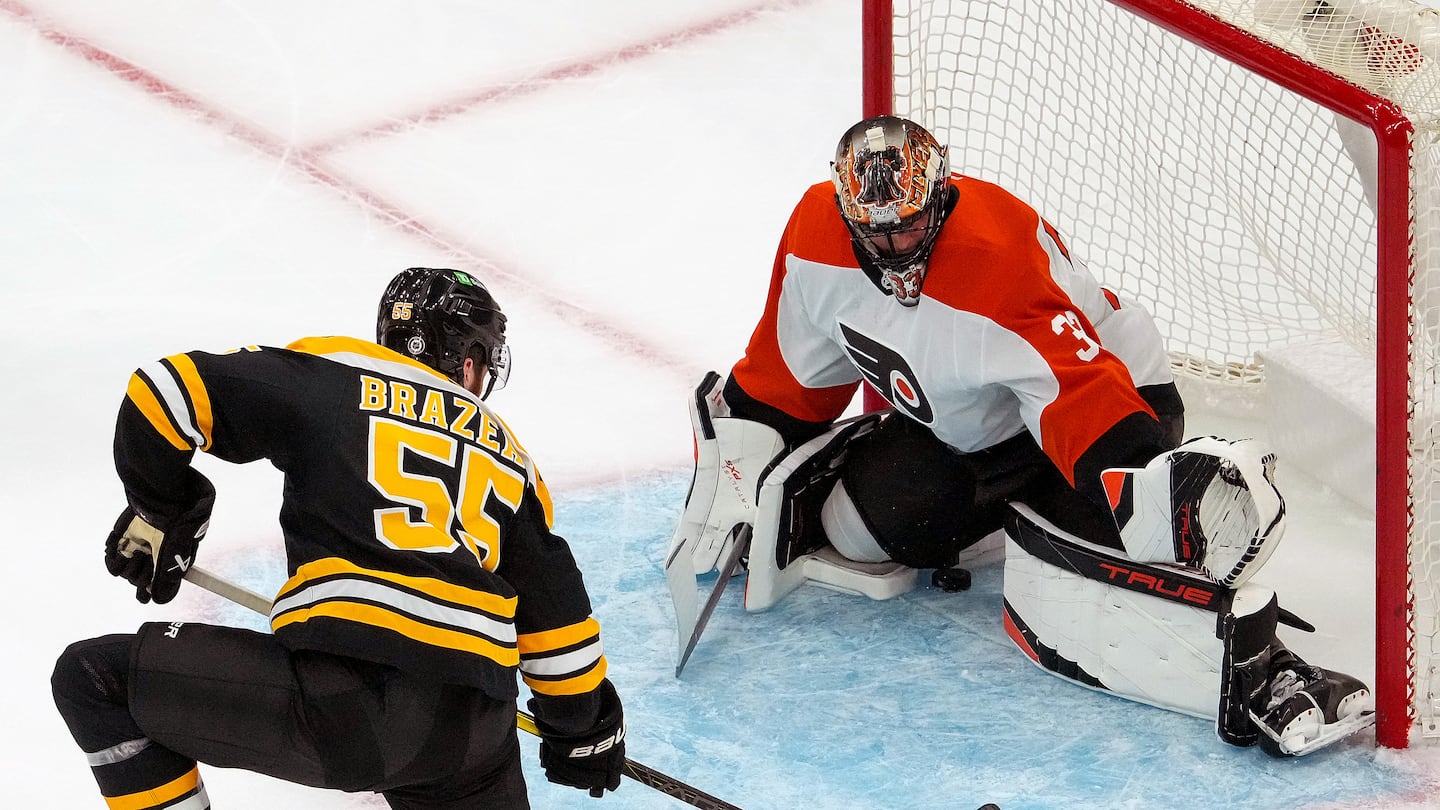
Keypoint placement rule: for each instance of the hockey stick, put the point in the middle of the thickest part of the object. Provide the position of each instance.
(224, 588)
(641, 773)
(696, 624)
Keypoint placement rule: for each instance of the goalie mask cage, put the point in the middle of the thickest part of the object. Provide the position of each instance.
(1259, 174)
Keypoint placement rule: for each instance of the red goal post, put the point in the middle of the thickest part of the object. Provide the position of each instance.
(1264, 176)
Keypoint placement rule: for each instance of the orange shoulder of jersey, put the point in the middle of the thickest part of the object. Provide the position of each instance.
(987, 257)
(996, 265)
(816, 232)
(817, 235)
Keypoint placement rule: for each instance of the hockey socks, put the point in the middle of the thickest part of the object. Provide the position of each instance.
(141, 782)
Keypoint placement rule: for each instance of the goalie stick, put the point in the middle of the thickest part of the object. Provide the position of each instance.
(641, 773)
(689, 625)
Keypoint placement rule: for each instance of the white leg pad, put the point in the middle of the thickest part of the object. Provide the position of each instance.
(722, 494)
(877, 580)
(768, 583)
(1146, 637)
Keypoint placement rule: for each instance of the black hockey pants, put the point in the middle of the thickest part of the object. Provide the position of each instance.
(236, 698)
(924, 502)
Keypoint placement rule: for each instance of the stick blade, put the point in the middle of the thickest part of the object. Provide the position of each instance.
(697, 624)
(681, 578)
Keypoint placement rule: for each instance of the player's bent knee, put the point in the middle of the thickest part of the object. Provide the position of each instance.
(94, 670)
(90, 687)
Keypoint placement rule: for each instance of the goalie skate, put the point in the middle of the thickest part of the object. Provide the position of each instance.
(1308, 708)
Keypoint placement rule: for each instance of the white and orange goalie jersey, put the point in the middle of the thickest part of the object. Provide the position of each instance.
(1011, 334)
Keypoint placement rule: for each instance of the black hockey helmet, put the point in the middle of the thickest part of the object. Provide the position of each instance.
(440, 317)
(892, 186)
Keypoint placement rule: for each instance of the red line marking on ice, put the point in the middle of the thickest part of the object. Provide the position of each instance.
(570, 70)
(308, 160)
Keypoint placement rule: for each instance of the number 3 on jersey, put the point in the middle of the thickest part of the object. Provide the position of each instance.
(1059, 323)
(480, 477)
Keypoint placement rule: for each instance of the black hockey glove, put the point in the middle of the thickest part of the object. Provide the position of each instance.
(139, 540)
(592, 760)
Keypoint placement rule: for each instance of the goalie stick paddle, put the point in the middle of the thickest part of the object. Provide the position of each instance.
(737, 551)
(641, 773)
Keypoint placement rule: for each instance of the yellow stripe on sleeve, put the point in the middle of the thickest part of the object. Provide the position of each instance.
(199, 397)
(548, 640)
(578, 685)
(144, 398)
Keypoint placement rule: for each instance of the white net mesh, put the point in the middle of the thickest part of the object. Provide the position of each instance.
(1241, 214)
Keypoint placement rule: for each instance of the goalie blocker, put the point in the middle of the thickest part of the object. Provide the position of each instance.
(1165, 637)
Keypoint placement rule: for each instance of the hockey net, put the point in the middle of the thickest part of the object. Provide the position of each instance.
(1264, 176)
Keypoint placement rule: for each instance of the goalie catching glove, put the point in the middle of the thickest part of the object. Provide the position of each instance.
(592, 760)
(730, 456)
(153, 552)
(1209, 504)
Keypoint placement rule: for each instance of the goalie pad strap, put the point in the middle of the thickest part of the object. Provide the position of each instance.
(1247, 632)
(789, 545)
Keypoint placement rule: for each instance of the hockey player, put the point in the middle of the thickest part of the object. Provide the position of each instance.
(423, 572)
(1014, 377)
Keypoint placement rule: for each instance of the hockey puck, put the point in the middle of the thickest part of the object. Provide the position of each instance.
(950, 580)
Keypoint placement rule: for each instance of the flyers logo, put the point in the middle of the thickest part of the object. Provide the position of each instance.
(889, 373)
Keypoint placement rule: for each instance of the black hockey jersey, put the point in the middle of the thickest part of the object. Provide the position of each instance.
(418, 532)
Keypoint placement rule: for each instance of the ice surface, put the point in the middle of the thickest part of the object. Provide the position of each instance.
(181, 176)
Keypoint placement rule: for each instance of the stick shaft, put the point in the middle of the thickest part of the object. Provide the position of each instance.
(222, 587)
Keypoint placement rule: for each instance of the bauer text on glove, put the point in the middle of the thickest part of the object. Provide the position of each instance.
(592, 760)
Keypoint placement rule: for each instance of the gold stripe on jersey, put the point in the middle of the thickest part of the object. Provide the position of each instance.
(579, 685)
(541, 490)
(376, 616)
(329, 347)
(438, 588)
(423, 609)
(160, 796)
(576, 682)
(199, 397)
(140, 393)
